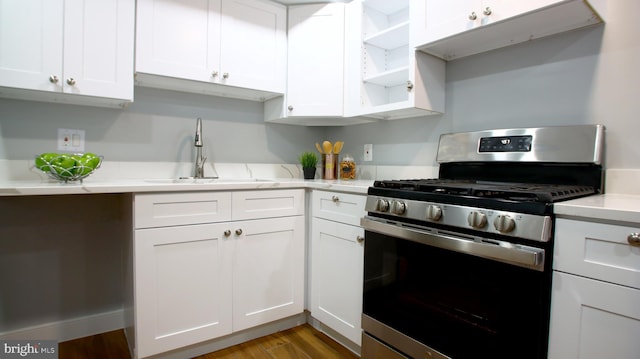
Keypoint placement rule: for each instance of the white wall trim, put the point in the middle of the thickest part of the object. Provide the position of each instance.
(71, 328)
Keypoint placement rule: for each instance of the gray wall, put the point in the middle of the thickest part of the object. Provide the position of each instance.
(158, 126)
(585, 76)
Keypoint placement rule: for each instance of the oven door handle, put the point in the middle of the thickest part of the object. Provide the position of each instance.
(506, 252)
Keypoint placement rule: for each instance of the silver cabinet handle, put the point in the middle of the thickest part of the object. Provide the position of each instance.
(227, 233)
(214, 74)
(71, 81)
(335, 199)
(290, 108)
(53, 79)
(238, 231)
(360, 239)
(634, 239)
(487, 11)
(225, 75)
(473, 16)
(409, 86)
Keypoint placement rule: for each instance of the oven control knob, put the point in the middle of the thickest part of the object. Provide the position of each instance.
(477, 220)
(382, 205)
(398, 207)
(434, 213)
(504, 223)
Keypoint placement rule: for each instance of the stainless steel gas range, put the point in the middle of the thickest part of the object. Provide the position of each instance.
(460, 266)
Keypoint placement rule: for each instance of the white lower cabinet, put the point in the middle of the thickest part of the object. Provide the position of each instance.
(268, 270)
(183, 286)
(596, 291)
(593, 319)
(337, 262)
(197, 281)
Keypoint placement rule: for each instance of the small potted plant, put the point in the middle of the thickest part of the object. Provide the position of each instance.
(308, 160)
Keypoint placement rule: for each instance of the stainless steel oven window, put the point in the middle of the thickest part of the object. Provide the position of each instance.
(461, 305)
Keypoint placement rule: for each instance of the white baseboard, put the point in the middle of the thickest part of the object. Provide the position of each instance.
(71, 328)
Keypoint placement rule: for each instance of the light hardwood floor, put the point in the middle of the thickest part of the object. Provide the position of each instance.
(302, 342)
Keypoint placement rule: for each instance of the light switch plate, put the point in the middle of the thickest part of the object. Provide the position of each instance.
(70, 140)
(368, 152)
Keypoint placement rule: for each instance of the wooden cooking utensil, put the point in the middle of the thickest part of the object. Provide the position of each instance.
(337, 147)
(319, 148)
(327, 146)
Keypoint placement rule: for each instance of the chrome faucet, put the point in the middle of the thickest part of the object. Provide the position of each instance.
(200, 159)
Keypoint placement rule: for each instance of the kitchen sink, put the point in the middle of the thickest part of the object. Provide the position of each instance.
(205, 180)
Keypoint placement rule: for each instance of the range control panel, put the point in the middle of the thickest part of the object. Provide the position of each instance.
(506, 144)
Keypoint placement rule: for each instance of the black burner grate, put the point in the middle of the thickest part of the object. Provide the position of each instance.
(517, 192)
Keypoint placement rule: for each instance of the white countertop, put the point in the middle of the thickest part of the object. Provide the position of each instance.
(608, 207)
(89, 186)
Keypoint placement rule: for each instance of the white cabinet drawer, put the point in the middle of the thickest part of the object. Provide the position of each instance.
(340, 207)
(597, 250)
(171, 209)
(267, 204)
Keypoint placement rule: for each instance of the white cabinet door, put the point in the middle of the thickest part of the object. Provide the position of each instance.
(241, 43)
(98, 48)
(178, 38)
(337, 264)
(438, 19)
(591, 319)
(443, 18)
(458, 28)
(77, 47)
(316, 60)
(31, 43)
(268, 270)
(253, 44)
(183, 286)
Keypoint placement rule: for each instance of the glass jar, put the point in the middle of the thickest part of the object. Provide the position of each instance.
(347, 168)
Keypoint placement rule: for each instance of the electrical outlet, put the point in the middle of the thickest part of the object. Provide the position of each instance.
(70, 140)
(368, 152)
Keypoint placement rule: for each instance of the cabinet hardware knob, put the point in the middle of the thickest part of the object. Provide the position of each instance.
(225, 75)
(634, 239)
(487, 11)
(473, 16)
(290, 108)
(238, 231)
(227, 233)
(360, 239)
(214, 74)
(53, 79)
(335, 199)
(71, 81)
(409, 86)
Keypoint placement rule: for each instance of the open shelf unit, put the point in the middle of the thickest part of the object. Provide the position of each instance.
(385, 52)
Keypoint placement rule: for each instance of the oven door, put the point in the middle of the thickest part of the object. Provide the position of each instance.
(430, 294)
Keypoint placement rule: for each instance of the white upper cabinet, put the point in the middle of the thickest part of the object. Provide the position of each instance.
(234, 48)
(315, 68)
(395, 81)
(316, 60)
(253, 44)
(456, 28)
(75, 51)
